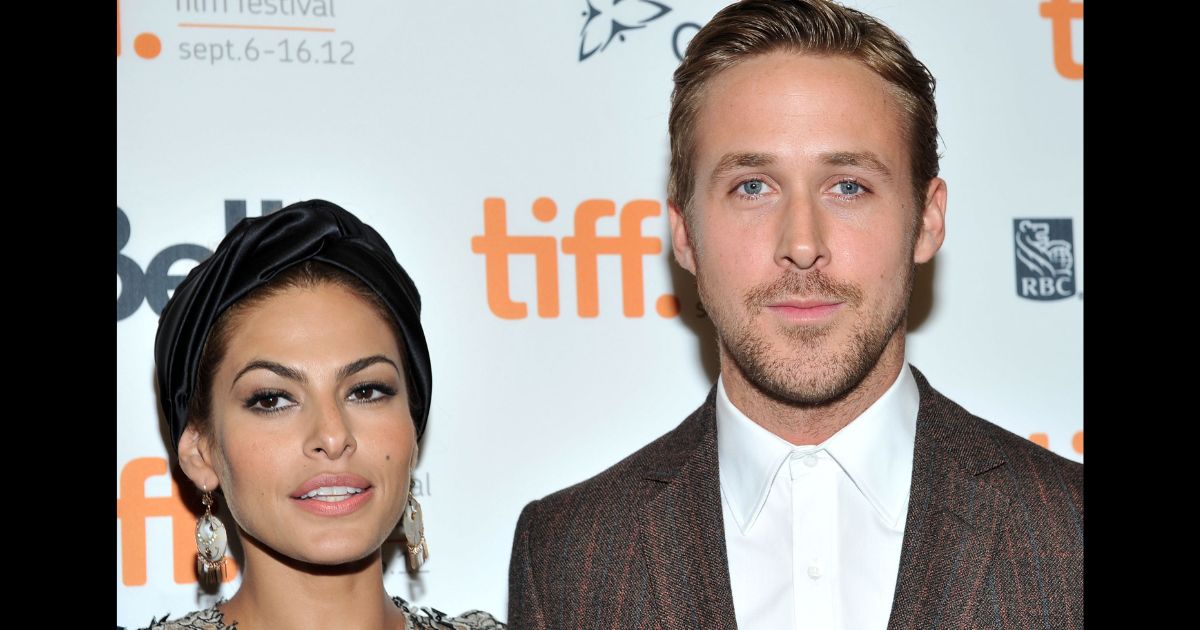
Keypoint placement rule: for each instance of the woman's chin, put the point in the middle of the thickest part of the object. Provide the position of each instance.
(333, 553)
(339, 557)
(330, 552)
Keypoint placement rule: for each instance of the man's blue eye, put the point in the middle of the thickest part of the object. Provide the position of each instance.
(849, 188)
(752, 187)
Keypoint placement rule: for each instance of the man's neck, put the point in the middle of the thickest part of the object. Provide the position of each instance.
(812, 424)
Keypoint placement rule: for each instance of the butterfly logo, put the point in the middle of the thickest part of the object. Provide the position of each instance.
(610, 22)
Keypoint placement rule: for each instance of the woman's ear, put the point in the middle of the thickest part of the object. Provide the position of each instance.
(195, 458)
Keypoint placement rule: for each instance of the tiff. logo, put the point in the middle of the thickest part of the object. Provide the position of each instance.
(134, 507)
(497, 245)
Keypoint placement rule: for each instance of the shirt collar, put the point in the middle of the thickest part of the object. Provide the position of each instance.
(875, 451)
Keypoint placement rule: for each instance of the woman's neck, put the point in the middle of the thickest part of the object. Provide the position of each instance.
(279, 594)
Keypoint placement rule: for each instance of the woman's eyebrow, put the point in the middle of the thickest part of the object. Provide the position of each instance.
(295, 375)
(364, 363)
(272, 366)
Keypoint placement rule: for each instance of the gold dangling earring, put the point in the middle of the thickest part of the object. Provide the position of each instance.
(211, 541)
(414, 532)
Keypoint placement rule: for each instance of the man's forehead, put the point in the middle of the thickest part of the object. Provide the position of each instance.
(833, 106)
(803, 77)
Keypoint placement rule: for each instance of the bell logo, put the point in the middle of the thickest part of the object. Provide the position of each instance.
(134, 507)
(496, 245)
(156, 283)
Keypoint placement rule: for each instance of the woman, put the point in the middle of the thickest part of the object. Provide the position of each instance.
(294, 376)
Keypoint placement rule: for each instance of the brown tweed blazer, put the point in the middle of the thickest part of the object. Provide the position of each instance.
(994, 536)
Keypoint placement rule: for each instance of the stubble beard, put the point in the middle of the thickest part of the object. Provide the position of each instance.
(808, 372)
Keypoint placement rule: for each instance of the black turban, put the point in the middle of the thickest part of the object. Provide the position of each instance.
(254, 252)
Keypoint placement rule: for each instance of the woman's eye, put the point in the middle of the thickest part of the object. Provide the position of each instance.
(367, 393)
(269, 402)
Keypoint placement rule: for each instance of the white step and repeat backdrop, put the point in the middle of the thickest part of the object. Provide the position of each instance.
(418, 116)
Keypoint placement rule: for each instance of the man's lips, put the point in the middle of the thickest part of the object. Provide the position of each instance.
(805, 310)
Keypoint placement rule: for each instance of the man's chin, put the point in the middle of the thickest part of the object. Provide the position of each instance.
(799, 343)
(810, 377)
(808, 388)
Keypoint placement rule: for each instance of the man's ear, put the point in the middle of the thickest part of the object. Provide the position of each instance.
(195, 458)
(933, 222)
(681, 242)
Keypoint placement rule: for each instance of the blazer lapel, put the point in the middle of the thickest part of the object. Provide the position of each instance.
(950, 532)
(949, 536)
(682, 530)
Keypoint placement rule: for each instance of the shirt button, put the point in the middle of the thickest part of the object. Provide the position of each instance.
(810, 460)
(814, 572)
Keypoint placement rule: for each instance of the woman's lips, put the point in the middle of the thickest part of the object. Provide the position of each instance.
(335, 505)
(330, 480)
(333, 494)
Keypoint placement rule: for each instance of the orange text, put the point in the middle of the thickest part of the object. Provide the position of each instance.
(1043, 440)
(496, 245)
(1060, 13)
(134, 507)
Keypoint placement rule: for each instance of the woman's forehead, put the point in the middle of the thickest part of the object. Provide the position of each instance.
(326, 320)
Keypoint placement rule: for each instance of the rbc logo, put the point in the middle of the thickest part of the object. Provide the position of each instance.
(1045, 258)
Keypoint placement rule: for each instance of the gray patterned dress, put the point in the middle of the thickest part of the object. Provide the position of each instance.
(419, 618)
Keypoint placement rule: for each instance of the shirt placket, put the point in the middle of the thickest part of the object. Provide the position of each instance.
(814, 538)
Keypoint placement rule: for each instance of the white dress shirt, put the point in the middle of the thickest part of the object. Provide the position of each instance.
(813, 533)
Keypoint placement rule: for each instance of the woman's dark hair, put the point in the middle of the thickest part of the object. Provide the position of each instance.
(306, 275)
(305, 244)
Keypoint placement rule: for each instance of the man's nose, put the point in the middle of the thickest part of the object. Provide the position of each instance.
(801, 231)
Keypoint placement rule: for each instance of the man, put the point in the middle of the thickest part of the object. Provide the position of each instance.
(824, 483)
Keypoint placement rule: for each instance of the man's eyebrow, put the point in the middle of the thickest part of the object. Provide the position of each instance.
(748, 159)
(861, 159)
(732, 161)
